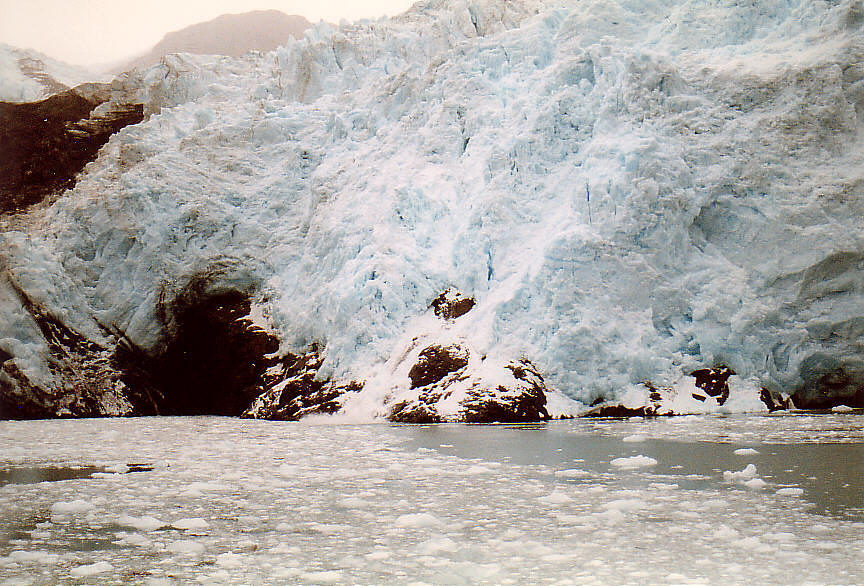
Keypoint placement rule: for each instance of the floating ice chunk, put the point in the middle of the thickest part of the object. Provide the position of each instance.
(476, 573)
(565, 519)
(249, 522)
(92, 569)
(287, 573)
(352, 502)
(438, 545)
(40, 557)
(417, 520)
(329, 528)
(745, 452)
(71, 508)
(199, 488)
(791, 491)
(288, 470)
(555, 498)
(726, 533)
(635, 438)
(378, 555)
(133, 539)
(572, 473)
(186, 546)
(328, 577)
(632, 462)
(193, 524)
(611, 515)
(781, 536)
(230, 560)
(222, 576)
(755, 483)
(141, 523)
(748, 473)
(754, 544)
(625, 505)
(842, 409)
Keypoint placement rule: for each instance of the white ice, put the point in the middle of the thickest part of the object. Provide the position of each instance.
(424, 516)
(597, 175)
(633, 462)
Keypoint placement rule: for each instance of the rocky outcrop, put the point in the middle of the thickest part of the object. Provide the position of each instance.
(35, 69)
(522, 402)
(47, 143)
(828, 382)
(436, 362)
(468, 398)
(88, 380)
(703, 391)
(448, 382)
(714, 382)
(451, 304)
(775, 401)
(293, 390)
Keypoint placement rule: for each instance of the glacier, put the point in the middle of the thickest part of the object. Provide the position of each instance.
(629, 192)
(27, 75)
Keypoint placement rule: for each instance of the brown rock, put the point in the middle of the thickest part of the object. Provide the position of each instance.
(436, 362)
(619, 411)
(523, 402)
(714, 382)
(775, 401)
(451, 304)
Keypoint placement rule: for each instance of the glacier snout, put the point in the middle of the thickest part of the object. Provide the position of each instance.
(628, 193)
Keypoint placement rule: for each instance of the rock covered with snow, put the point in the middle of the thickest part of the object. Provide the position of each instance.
(26, 75)
(629, 193)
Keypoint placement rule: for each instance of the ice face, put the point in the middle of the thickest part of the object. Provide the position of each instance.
(629, 191)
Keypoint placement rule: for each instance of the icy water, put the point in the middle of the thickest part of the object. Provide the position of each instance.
(771, 499)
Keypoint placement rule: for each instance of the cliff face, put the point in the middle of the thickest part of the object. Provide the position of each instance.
(233, 35)
(654, 207)
(47, 143)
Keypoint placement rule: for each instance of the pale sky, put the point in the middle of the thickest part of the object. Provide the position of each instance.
(91, 32)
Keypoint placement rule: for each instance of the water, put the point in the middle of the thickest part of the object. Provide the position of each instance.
(218, 500)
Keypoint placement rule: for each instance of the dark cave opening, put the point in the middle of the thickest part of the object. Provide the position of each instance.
(212, 362)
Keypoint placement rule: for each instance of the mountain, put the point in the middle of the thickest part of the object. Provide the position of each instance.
(475, 211)
(230, 34)
(27, 75)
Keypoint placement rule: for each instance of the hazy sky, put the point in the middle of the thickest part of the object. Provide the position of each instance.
(88, 32)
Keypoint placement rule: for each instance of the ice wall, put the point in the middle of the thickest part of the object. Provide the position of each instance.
(630, 190)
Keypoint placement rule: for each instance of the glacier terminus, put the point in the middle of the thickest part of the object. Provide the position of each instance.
(478, 210)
